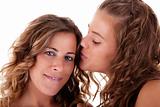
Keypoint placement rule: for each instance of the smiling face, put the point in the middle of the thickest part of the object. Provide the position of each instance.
(55, 64)
(99, 46)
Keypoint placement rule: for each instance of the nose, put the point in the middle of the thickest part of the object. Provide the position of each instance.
(57, 65)
(84, 43)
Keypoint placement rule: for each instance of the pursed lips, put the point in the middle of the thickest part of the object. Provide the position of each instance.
(83, 56)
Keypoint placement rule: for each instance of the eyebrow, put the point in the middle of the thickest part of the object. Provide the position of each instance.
(98, 34)
(57, 50)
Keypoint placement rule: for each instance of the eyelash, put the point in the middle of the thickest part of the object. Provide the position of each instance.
(68, 58)
(50, 53)
(96, 43)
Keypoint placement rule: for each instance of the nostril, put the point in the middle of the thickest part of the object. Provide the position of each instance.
(57, 64)
(54, 68)
(57, 68)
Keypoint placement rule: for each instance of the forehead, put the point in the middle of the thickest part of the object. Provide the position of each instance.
(63, 41)
(103, 23)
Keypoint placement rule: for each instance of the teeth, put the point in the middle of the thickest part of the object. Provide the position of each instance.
(53, 78)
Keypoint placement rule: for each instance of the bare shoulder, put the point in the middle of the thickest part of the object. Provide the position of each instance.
(149, 95)
(84, 105)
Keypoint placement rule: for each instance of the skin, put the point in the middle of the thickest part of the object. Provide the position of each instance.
(149, 95)
(99, 45)
(51, 71)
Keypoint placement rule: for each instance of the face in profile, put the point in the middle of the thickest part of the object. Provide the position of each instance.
(55, 64)
(99, 45)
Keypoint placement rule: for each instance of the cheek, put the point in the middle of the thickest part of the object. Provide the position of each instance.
(69, 68)
(109, 50)
(34, 75)
(35, 70)
(38, 68)
(42, 62)
(67, 73)
(105, 54)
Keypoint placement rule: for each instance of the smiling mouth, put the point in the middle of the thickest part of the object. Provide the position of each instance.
(53, 78)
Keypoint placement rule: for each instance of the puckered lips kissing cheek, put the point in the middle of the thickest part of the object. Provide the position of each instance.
(83, 56)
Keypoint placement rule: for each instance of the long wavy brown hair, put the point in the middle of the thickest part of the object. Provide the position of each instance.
(137, 59)
(24, 50)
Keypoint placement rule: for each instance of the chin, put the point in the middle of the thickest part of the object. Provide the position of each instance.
(50, 92)
(81, 66)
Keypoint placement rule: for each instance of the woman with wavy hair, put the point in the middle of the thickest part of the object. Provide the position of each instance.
(123, 42)
(43, 71)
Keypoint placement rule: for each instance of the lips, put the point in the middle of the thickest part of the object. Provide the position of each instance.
(53, 78)
(83, 56)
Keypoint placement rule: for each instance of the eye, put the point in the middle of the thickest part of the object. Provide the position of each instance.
(50, 53)
(96, 42)
(68, 58)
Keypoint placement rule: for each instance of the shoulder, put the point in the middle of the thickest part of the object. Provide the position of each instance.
(149, 95)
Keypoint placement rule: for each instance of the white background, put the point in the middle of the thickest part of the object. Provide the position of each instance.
(16, 14)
